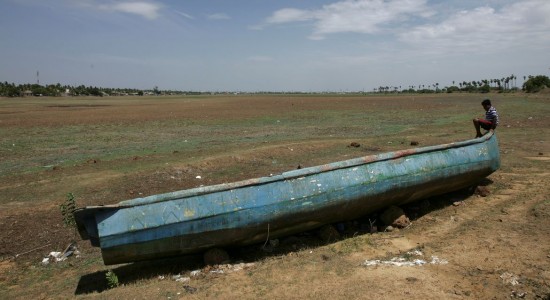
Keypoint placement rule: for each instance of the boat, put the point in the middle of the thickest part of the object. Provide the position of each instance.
(252, 211)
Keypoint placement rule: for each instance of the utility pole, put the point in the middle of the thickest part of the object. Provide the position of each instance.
(37, 78)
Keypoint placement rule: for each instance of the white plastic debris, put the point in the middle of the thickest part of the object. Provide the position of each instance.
(179, 278)
(198, 177)
(437, 261)
(46, 260)
(53, 257)
(239, 267)
(405, 260)
(398, 262)
(518, 294)
(183, 279)
(509, 278)
(227, 268)
(56, 256)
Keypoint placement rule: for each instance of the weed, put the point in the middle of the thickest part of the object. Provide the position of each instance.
(408, 256)
(67, 210)
(112, 279)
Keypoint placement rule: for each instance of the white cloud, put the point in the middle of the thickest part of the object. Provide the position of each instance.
(218, 16)
(485, 27)
(188, 16)
(148, 10)
(357, 16)
(287, 15)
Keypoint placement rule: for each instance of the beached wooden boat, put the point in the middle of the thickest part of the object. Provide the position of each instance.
(250, 211)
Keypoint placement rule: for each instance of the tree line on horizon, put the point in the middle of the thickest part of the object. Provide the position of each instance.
(532, 84)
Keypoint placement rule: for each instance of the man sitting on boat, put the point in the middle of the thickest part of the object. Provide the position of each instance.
(491, 118)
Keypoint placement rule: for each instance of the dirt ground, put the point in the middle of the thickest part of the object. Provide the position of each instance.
(493, 246)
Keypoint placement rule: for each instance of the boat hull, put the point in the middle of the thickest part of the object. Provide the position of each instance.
(252, 211)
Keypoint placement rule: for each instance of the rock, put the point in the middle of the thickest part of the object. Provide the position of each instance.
(355, 145)
(215, 256)
(189, 289)
(482, 191)
(395, 216)
(414, 143)
(402, 222)
(391, 214)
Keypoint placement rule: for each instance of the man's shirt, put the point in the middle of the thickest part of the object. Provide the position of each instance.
(492, 115)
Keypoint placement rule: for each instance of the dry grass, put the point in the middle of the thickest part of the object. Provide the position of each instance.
(105, 150)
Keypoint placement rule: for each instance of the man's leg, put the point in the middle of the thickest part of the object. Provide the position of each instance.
(477, 126)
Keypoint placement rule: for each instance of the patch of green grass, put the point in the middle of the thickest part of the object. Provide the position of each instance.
(351, 245)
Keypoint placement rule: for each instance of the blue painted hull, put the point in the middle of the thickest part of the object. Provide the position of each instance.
(250, 211)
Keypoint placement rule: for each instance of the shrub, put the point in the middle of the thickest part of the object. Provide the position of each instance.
(536, 83)
(485, 88)
(453, 89)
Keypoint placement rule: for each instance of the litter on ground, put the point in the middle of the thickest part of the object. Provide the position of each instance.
(55, 256)
(509, 278)
(406, 260)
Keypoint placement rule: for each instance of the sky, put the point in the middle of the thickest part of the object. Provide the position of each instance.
(271, 45)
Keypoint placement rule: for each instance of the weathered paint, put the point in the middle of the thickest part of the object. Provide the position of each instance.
(249, 211)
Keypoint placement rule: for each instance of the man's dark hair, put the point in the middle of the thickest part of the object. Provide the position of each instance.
(486, 102)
